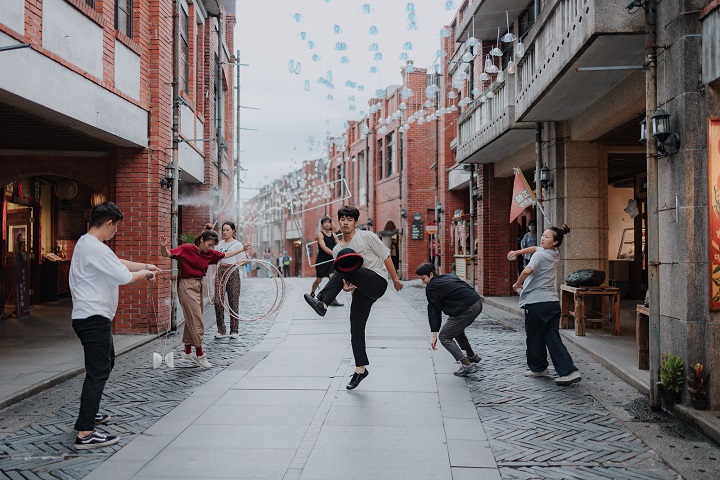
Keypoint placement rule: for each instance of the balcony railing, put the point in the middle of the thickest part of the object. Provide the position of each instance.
(563, 31)
(483, 121)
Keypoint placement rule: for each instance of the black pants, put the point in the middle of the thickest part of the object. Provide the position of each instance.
(370, 287)
(95, 334)
(542, 326)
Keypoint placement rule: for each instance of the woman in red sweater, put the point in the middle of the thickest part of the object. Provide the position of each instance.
(193, 261)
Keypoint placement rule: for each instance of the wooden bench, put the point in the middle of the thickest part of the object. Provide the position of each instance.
(642, 336)
(576, 297)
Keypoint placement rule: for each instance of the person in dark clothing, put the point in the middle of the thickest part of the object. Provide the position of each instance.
(453, 296)
(326, 240)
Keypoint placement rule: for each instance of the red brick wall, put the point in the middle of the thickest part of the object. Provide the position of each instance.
(495, 235)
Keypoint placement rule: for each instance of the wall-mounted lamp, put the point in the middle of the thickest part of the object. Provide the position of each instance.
(545, 179)
(369, 222)
(169, 176)
(403, 213)
(439, 208)
(661, 132)
(475, 193)
(643, 132)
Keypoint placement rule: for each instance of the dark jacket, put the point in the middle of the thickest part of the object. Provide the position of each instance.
(450, 295)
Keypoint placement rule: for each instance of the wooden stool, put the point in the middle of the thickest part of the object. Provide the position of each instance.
(576, 296)
(642, 336)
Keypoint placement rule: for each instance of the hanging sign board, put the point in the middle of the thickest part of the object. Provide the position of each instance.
(714, 213)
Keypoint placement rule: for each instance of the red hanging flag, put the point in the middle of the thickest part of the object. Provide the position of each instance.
(522, 196)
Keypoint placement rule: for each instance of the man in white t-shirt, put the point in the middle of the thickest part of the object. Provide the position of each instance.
(362, 264)
(96, 274)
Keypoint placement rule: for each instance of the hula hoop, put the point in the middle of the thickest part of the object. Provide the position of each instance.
(221, 287)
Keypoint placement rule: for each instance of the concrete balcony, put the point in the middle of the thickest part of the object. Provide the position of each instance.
(569, 34)
(488, 130)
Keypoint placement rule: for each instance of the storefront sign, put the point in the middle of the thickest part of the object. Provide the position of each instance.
(417, 230)
(714, 213)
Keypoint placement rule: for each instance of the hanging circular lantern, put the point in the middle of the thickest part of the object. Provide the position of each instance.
(97, 198)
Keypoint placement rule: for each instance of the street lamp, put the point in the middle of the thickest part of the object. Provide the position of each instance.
(167, 182)
(661, 131)
(545, 179)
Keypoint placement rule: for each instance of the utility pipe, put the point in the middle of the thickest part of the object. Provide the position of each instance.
(653, 220)
(174, 227)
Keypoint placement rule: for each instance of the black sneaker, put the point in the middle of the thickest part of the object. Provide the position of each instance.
(101, 418)
(356, 379)
(316, 304)
(95, 440)
(475, 358)
(335, 303)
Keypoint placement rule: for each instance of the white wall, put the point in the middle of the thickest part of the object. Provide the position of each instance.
(73, 36)
(12, 14)
(127, 70)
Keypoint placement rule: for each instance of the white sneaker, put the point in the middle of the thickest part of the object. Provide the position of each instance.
(234, 336)
(542, 373)
(186, 356)
(219, 336)
(202, 361)
(465, 370)
(573, 377)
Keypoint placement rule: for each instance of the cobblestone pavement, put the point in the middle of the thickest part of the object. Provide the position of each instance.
(36, 435)
(599, 428)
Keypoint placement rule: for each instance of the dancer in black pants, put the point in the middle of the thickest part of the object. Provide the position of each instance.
(447, 293)
(362, 264)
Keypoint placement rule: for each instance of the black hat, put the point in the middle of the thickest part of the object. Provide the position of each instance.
(348, 261)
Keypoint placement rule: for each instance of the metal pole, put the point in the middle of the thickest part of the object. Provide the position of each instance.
(219, 112)
(237, 137)
(539, 219)
(472, 223)
(653, 221)
(367, 172)
(437, 175)
(174, 227)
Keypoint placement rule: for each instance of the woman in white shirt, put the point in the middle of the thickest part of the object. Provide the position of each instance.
(232, 285)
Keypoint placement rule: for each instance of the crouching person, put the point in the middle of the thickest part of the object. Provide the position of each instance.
(449, 294)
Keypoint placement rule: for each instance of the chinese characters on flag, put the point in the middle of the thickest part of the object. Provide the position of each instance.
(522, 196)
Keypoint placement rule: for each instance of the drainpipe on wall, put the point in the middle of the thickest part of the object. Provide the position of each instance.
(539, 217)
(367, 172)
(653, 221)
(174, 227)
(219, 109)
(472, 223)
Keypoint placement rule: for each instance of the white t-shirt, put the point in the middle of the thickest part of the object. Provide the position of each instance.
(370, 247)
(96, 274)
(225, 247)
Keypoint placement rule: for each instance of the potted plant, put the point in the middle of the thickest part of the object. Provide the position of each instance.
(697, 386)
(671, 377)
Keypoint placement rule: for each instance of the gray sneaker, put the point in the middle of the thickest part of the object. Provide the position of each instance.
(573, 377)
(464, 370)
(541, 373)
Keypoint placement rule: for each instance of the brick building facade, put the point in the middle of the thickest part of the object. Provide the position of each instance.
(86, 106)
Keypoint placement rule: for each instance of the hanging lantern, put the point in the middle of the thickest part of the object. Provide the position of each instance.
(407, 46)
(410, 7)
(520, 50)
(373, 30)
(337, 29)
(449, 5)
(303, 36)
(508, 37)
(374, 47)
(413, 26)
(340, 46)
(307, 85)
(311, 44)
(316, 58)
(452, 95)
(297, 17)
(403, 56)
(344, 60)
(409, 69)
(467, 57)
(291, 65)
(472, 41)
(366, 8)
(484, 77)
(490, 94)
(511, 68)
(298, 68)
(378, 56)
(500, 77)
(98, 198)
(445, 32)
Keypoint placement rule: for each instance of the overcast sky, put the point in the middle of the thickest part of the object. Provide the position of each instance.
(292, 123)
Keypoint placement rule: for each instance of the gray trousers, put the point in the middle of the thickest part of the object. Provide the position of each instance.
(452, 335)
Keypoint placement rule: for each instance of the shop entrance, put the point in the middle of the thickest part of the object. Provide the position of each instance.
(627, 200)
